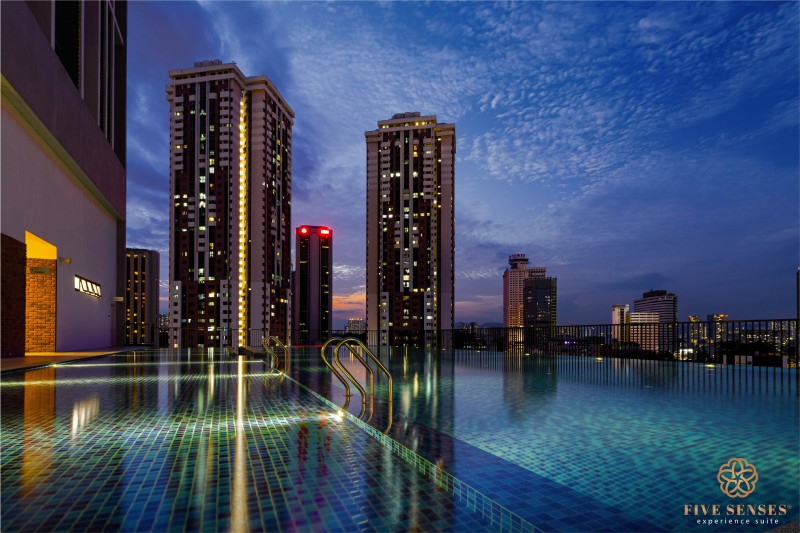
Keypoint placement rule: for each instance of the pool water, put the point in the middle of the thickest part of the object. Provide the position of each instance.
(168, 440)
(585, 444)
(190, 440)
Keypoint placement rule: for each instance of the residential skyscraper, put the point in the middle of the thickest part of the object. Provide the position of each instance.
(141, 296)
(410, 229)
(62, 197)
(230, 226)
(513, 288)
(313, 285)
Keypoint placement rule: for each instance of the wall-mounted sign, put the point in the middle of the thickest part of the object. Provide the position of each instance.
(40, 270)
(87, 287)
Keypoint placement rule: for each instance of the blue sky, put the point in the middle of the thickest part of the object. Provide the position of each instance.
(626, 146)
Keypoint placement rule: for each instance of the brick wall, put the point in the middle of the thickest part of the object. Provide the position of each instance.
(40, 310)
(12, 296)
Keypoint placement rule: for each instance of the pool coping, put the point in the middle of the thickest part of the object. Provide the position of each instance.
(12, 365)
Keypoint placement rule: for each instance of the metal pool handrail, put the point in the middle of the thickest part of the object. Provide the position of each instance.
(346, 343)
(341, 378)
(351, 344)
(265, 342)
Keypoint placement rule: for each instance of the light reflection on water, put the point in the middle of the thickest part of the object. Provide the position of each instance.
(644, 437)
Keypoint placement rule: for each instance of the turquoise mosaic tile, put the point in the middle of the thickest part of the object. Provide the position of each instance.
(580, 444)
(151, 441)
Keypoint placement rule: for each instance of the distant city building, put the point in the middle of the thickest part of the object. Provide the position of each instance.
(62, 203)
(618, 314)
(662, 302)
(355, 325)
(410, 231)
(141, 296)
(513, 288)
(541, 301)
(644, 329)
(230, 187)
(717, 328)
(313, 285)
(666, 305)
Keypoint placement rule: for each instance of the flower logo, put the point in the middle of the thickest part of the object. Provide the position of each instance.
(737, 478)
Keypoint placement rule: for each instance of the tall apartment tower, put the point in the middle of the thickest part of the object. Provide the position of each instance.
(62, 193)
(141, 296)
(410, 229)
(313, 284)
(230, 223)
(513, 289)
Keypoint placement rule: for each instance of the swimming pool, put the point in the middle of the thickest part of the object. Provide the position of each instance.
(588, 444)
(184, 440)
(168, 440)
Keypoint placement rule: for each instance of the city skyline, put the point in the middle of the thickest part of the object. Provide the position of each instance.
(626, 146)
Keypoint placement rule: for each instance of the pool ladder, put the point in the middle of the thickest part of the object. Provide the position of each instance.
(357, 349)
(266, 342)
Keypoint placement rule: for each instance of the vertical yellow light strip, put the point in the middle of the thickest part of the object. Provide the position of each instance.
(243, 220)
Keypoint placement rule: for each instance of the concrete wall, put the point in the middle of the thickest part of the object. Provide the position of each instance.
(41, 196)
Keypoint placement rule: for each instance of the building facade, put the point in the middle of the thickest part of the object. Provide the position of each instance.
(63, 175)
(666, 305)
(410, 229)
(141, 296)
(618, 314)
(230, 226)
(541, 301)
(514, 286)
(355, 325)
(312, 288)
(644, 329)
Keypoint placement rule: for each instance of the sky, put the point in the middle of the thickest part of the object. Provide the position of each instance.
(624, 146)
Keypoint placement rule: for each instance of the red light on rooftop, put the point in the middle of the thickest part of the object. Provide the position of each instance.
(324, 231)
(304, 230)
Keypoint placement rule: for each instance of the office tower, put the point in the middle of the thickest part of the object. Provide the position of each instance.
(618, 312)
(644, 329)
(541, 301)
(230, 226)
(666, 305)
(513, 287)
(313, 285)
(141, 296)
(355, 325)
(410, 234)
(63, 175)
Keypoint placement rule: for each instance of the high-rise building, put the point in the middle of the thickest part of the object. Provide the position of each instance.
(410, 231)
(513, 288)
(618, 313)
(541, 301)
(141, 296)
(230, 187)
(313, 285)
(63, 175)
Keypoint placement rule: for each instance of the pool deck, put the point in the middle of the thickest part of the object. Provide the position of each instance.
(33, 360)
